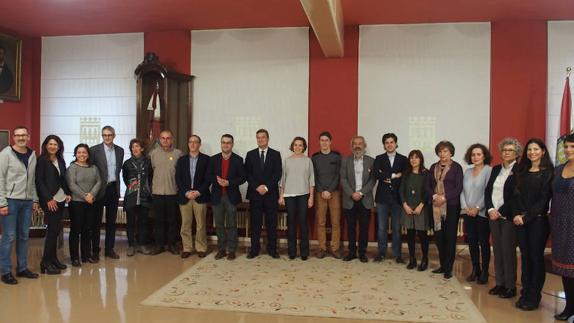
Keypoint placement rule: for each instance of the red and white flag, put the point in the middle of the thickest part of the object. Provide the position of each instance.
(565, 122)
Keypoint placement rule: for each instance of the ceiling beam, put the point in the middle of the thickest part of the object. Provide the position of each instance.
(326, 19)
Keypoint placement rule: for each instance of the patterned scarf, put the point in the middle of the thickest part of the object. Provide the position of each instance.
(439, 212)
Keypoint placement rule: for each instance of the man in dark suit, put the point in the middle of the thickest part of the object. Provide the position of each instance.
(109, 158)
(225, 174)
(357, 196)
(388, 169)
(263, 168)
(193, 196)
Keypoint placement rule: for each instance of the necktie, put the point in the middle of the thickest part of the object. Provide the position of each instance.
(262, 160)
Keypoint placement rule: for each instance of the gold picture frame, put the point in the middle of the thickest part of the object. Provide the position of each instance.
(10, 67)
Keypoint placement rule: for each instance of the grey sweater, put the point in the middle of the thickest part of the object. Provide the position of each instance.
(327, 169)
(473, 190)
(297, 176)
(82, 180)
(16, 181)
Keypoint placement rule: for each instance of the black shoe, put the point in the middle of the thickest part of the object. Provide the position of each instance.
(412, 263)
(507, 293)
(157, 250)
(363, 258)
(424, 264)
(447, 274)
(90, 260)
(483, 278)
(231, 255)
(26, 273)
(291, 257)
(76, 263)
(565, 315)
(96, 257)
(202, 254)
(59, 265)
(439, 270)
(49, 269)
(112, 254)
(349, 257)
(274, 255)
(220, 254)
(496, 290)
(304, 258)
(378, 258)
(185, 254)
(251, 255)
(9, 279)
(173, 250)
(473, 276)
(526, 306)
(399, 260)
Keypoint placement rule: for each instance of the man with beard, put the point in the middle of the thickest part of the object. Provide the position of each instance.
(357, 182)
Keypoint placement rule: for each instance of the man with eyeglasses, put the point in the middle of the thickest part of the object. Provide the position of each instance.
(108, 157)
(164, 194)
(18, 198)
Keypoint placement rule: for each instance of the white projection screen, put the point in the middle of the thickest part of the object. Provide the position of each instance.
(248, 79)
(560, 56)
(425, 83)
(88, 82)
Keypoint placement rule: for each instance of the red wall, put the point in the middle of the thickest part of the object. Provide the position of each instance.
(333, 92)
(172, 47)
(26, 112)
(518, 81)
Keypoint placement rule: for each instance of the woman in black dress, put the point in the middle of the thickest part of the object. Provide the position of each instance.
(53, 194)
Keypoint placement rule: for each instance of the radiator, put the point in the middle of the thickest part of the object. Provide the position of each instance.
(242, 221)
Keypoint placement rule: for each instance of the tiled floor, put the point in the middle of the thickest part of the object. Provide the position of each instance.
(112, 290)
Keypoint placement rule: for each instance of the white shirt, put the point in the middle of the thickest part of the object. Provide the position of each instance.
(111, 162)
(358, 166)
(498, 186)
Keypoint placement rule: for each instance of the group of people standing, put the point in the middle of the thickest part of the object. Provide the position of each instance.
(509, 201)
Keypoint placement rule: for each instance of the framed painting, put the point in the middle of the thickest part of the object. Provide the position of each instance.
(4, 139)
(10, 67)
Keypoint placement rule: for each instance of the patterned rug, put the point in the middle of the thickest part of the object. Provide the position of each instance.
(318, 287)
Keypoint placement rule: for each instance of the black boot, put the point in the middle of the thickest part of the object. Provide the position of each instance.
(412, 263)
(424, 264)
(49, 268)
(58, 264)
(474, 274)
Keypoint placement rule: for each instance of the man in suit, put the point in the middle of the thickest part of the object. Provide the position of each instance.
(388, 169)
(263, 168)
(225, 174)
(357, 182)
(193, 195)
(109, 158)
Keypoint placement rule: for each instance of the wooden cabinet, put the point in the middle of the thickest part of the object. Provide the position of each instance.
(173, 98)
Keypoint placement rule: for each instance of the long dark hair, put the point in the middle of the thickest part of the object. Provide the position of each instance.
(87, 149)
(419, 154)
(545, 161)
(59, 153)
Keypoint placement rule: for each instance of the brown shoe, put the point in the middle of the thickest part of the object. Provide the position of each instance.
(231, 255)
(337, 254)
(220, 254)
(322, 254)
(201, 254)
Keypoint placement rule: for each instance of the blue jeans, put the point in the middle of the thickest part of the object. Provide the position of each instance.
(383, 210)
(15, 226)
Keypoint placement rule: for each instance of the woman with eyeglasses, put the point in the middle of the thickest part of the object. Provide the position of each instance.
(499, 201)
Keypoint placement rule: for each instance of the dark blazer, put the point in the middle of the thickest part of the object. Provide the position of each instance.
(348, 182)
(508, 194)
(236, 177)
(386, 192)
(49, 181)
(98, 158)
(269, 176)
(533, 193)
(200, 180)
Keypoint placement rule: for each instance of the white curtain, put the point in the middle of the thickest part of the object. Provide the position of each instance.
(425, 83)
